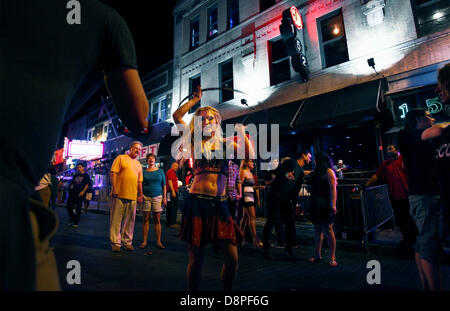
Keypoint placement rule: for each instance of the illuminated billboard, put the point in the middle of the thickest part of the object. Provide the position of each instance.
(84, 150)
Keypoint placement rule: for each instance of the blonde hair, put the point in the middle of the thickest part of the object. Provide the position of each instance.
(217, 138)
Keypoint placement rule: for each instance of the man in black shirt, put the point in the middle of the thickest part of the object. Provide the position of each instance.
(77, 191)
(424, 199)
(49, 67)
(282, 198)
(440, 134)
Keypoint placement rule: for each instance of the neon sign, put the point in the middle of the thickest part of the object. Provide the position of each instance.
(296, 17)
(404, 109)
(86, 150)
(434, 105)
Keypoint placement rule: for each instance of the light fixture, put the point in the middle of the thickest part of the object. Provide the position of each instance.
(336, 30)
(438, 15)
(371, 63)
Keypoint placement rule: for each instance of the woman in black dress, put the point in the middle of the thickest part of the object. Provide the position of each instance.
(323, 206)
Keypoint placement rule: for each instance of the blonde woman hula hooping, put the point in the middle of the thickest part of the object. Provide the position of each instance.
(206, 217)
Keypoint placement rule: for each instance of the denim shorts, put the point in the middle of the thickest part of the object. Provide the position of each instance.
(426, 211)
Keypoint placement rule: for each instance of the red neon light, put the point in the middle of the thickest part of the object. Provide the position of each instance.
(296, 18)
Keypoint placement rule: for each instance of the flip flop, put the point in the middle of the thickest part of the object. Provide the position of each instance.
(160, 246)
(142, 246)
(149, 253)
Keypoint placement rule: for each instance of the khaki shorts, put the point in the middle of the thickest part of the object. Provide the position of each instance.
(88, 196)
(152, 204)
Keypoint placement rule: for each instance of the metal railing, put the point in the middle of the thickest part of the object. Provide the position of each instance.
(358, 212)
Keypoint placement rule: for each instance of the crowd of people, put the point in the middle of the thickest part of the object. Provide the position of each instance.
(37, 79)
(223, 197)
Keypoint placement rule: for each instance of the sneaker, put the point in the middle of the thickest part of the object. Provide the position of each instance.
(333, 263)
(129, 248)
(115, 249)
(75, 226)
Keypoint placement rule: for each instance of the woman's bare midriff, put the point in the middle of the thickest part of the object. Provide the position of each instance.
(211, 184)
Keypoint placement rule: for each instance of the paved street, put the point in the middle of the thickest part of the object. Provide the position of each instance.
(164, 270)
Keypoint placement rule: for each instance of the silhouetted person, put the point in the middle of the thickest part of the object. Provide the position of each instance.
(49, 68)
(424, 199)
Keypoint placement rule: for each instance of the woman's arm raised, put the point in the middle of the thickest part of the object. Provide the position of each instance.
(180, 112)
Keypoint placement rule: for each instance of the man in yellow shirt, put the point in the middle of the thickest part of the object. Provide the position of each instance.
(126, 180)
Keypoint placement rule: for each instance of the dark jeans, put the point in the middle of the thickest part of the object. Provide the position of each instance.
(273, 219)
(404, 220)
(287, 216)
(172, 209)
(76, 203)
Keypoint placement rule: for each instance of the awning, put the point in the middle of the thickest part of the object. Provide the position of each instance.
(331, 109)
(342, 106)
(281, 115)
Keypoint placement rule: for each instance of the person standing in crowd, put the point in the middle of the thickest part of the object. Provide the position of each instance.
(206, 218)
(234, 187)
(53, 187)
(43, 189)
(270, 178)
(278, 179)
(188, 179)
(323, 206)
(154, 188)
(440, 134)
(172, 201)
(248, 197)
(36, 79)
(88, 198)
(77, 190)
(126, 181)
(292, 191)
(424, 199)
(340, 168)
(290, 175)
(392, 172)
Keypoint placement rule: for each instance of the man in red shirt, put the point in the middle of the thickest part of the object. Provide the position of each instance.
(172, 193)
(392, 172)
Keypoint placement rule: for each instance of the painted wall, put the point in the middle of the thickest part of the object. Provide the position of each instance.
(393, 44)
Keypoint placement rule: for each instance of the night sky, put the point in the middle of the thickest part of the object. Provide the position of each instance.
(151, 24)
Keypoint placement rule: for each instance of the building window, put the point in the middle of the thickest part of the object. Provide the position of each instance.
(105, 131)
(193, 84)
(160, 110)
(90, 133)
(280, 70)
(226, 80)
(212, 21)
(163, 109)
(431, 16)
(233, 14)
(332, 38)
(155, 113)
(265, 4)
(195, 32)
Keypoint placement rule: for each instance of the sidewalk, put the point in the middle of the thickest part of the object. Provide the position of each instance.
(384, 242)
